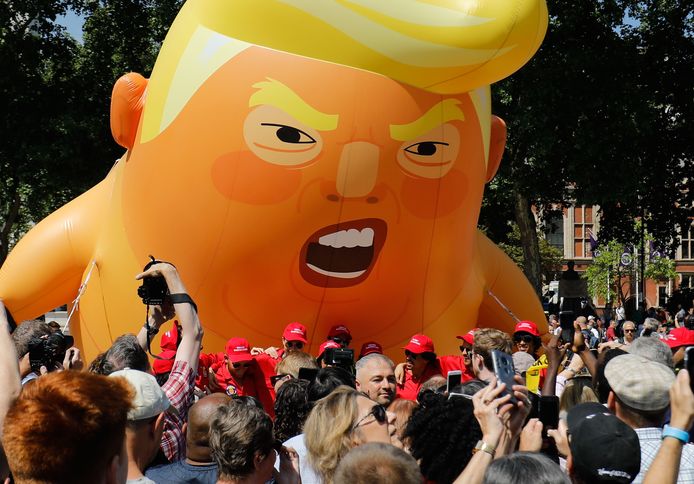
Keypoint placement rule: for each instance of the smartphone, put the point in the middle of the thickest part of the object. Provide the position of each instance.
(689, 364)
(566, 322)
(504, 371)
(308, 374)
(453, 379)
(549, 412)
(549, 416)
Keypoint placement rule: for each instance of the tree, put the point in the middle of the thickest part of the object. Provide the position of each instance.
(55, 99)
(38, 160)
(593, 120)
(550, 256)
(614, 270)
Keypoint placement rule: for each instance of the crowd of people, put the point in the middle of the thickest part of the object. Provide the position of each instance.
(591, 403)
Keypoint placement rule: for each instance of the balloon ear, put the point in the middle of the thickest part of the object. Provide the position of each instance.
(127, 100)
(497, 143)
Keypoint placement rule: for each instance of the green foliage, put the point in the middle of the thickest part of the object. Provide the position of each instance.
(55, 100)
(615, 267)
(602, 115)
(551, 258)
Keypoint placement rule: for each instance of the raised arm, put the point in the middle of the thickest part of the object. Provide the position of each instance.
(191, 329)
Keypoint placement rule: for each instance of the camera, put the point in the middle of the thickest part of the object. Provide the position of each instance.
(153, 290)
(340, 357)
(49, 351)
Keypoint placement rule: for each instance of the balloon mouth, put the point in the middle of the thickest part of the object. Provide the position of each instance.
(344, 254)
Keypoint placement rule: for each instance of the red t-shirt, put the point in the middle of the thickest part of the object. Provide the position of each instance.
(455, 362)
(251, 386)
(410, 388)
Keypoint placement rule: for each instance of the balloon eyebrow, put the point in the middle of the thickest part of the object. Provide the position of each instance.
(274, 93)
(440, 113)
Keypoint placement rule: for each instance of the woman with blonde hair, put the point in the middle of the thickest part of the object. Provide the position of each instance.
(343, 420)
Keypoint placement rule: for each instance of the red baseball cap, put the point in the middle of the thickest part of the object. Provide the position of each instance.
(679, 337)
(370, 347)
(164, 363)
(526, 327)
(340, 331)
(295, 332)
(325, 345)
(420, 343)
(238, 349)
(170, 338)
(468, 337)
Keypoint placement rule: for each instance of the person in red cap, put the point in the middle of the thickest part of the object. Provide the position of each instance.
(462, 362)
(340, 334)
(447, 363)
(420, 366)
(526, 338)
(321, 350)
(370, 347)
(679, 339)
(235, 375)
(294, 338)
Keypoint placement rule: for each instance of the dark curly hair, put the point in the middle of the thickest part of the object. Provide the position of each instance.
(291, 409)
(442, 434)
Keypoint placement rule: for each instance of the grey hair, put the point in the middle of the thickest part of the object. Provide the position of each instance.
(652, 348)
(652, 324)
(368, 359)
(524, 468)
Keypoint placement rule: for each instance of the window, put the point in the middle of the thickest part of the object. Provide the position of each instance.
(688, 243)
(583, 229)
(555, 231)
(662, 296)
(686, 281)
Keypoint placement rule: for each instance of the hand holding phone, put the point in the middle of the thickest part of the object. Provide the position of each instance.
(504, 371)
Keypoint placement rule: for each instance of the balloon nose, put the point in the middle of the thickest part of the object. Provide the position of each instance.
(358, 169)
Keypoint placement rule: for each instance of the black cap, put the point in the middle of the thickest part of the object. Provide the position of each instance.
(603, 448)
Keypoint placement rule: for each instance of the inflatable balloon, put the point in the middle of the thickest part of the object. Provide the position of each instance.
(314, 161)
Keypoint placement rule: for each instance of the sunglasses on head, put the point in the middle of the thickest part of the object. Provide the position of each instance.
(298, 345)
(242, 365)
(275, 378)
(525, 338)
(378, 412)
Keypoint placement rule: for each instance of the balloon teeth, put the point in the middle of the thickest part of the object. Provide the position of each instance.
(348, 238)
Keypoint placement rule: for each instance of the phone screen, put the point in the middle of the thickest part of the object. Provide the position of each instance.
(453, 379)
(504, 370)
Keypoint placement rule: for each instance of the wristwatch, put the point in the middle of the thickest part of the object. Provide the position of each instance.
(482, 446)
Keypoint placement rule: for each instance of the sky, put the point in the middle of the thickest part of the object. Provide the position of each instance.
(73, 23)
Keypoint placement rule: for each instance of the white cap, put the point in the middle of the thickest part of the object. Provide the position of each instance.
(149, 400)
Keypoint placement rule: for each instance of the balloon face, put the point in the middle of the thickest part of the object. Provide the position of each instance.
(294, 189)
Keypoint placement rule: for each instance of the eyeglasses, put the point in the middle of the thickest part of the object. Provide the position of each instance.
(378, 412)
(525, 338)
(275, 378)
(296, 345)
(241, 365)
(629, 330)
(464, 349)
(409, 354)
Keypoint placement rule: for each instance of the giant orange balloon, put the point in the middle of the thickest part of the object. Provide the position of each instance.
(321, 162)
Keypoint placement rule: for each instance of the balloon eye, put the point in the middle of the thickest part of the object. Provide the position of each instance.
(425, 148)
(289, 134)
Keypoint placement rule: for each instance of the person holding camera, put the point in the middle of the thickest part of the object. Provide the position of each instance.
(168, 293)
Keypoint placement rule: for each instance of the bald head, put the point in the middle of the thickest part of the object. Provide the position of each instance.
(197, 434)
